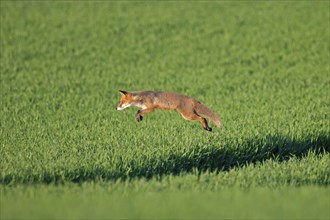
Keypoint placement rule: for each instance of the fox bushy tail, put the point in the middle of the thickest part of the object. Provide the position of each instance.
(204, 110)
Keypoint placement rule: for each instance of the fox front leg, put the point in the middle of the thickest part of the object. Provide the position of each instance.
(139, 115)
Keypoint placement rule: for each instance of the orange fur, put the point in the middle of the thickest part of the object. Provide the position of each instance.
(148, 101)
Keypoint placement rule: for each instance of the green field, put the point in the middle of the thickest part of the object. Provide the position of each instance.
(262, 66)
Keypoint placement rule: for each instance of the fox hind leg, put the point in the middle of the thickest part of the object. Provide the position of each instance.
(196, 117)
(205, 124)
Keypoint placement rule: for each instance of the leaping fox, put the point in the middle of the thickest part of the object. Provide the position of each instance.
(148, 101)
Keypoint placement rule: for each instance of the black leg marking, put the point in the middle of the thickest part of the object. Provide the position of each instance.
(139, 117)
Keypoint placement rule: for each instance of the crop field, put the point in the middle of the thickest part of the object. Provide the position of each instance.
(262, 66)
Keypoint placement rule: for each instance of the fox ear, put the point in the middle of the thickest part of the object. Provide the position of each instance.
(123, 92)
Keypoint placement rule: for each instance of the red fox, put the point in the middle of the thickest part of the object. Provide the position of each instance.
(148, 101)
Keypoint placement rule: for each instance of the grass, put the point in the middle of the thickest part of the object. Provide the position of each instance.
(107, 201)
(263, 67)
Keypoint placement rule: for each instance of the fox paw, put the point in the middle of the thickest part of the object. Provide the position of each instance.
(208, 129)
(138, 118)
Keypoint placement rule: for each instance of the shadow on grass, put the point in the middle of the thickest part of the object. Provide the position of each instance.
(201, 158)
(223, 159)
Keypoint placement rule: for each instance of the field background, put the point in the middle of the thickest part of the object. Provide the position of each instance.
(263, 67)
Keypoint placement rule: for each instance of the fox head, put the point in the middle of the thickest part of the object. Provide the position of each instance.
(126, 100)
